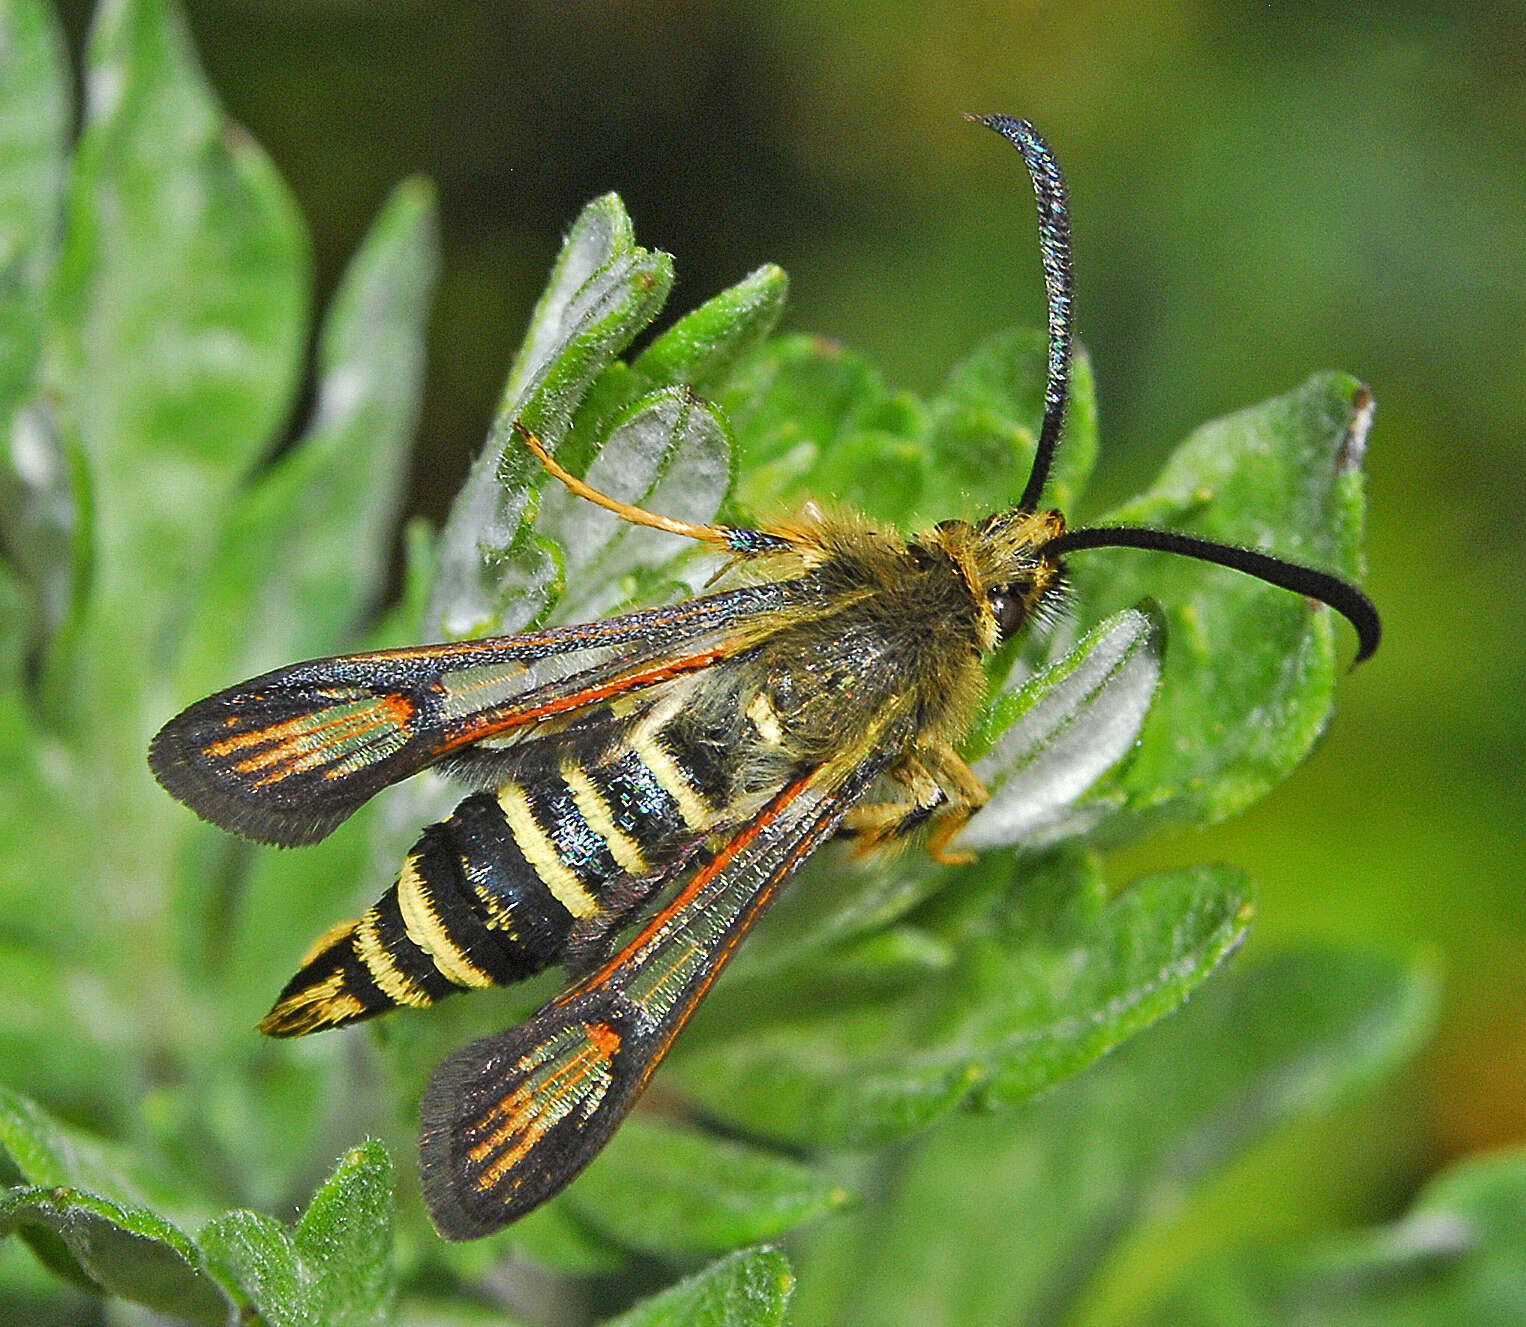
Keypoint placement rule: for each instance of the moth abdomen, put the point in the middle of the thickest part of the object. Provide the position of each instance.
(467, 911)
(514, 880)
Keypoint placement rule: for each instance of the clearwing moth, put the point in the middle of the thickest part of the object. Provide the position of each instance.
(672, 782)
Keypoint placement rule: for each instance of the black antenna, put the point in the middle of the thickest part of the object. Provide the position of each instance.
(1340, 595)
(1054, 243)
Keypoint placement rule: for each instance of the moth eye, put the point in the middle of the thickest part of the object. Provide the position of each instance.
(1007, 605)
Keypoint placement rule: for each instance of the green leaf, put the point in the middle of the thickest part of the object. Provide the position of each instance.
(1048, 741)
(986, 419)
(702, 348)
(334, 1269)
(875, 470)
(493, 575)
(814, 420)
(698, 352)
(673, 1191)
(48, 1155)
(347, 1231)
(669, 453)
(256, 1254)
(304, 551)
(91, 1222)
(748, 1289)
(796, 400)
(1250, 669)
(1019, 1010)
(1454, 1259)
(1056, 1186)
(181, 299)
(40, 510)
(117, 1250)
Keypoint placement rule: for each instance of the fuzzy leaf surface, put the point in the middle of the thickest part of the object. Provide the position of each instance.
(494, 574)
(181, 299)
(1020, 1009)
(1051, 739)
(114, 1249)
(88, 1221)
(1250, 669)
(1454, 1258)
(332, 1270)
(749, 1289)
(1056, 1186)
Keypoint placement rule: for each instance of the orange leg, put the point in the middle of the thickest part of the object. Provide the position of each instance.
(944, 790)
(967, 794)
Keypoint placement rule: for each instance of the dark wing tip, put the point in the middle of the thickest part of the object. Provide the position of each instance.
(179, 764)
(440, 1169)
(461, 1094)
(286, 757)
(511, 1120)
(441, 1152)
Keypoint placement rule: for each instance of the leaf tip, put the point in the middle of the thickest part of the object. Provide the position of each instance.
(1353, 446)
(607, 214)
(413, 202)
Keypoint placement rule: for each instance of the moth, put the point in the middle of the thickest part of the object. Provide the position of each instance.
(669, 784)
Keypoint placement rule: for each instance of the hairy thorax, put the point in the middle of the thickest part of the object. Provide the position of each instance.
(902, 658)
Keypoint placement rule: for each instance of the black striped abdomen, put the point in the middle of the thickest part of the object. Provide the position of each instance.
(494, 893)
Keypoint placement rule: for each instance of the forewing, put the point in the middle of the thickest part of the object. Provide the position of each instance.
(510, 1120)
(287, 756)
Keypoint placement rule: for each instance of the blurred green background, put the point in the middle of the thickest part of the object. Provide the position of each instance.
(1258, 190)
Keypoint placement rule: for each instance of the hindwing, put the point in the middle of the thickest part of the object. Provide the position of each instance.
(510, 1120)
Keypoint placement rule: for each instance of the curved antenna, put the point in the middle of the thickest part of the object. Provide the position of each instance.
(1054, 244)
(1340, 595)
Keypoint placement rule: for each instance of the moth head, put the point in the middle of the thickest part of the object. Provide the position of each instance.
(1002, 563)
(1016, 574)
